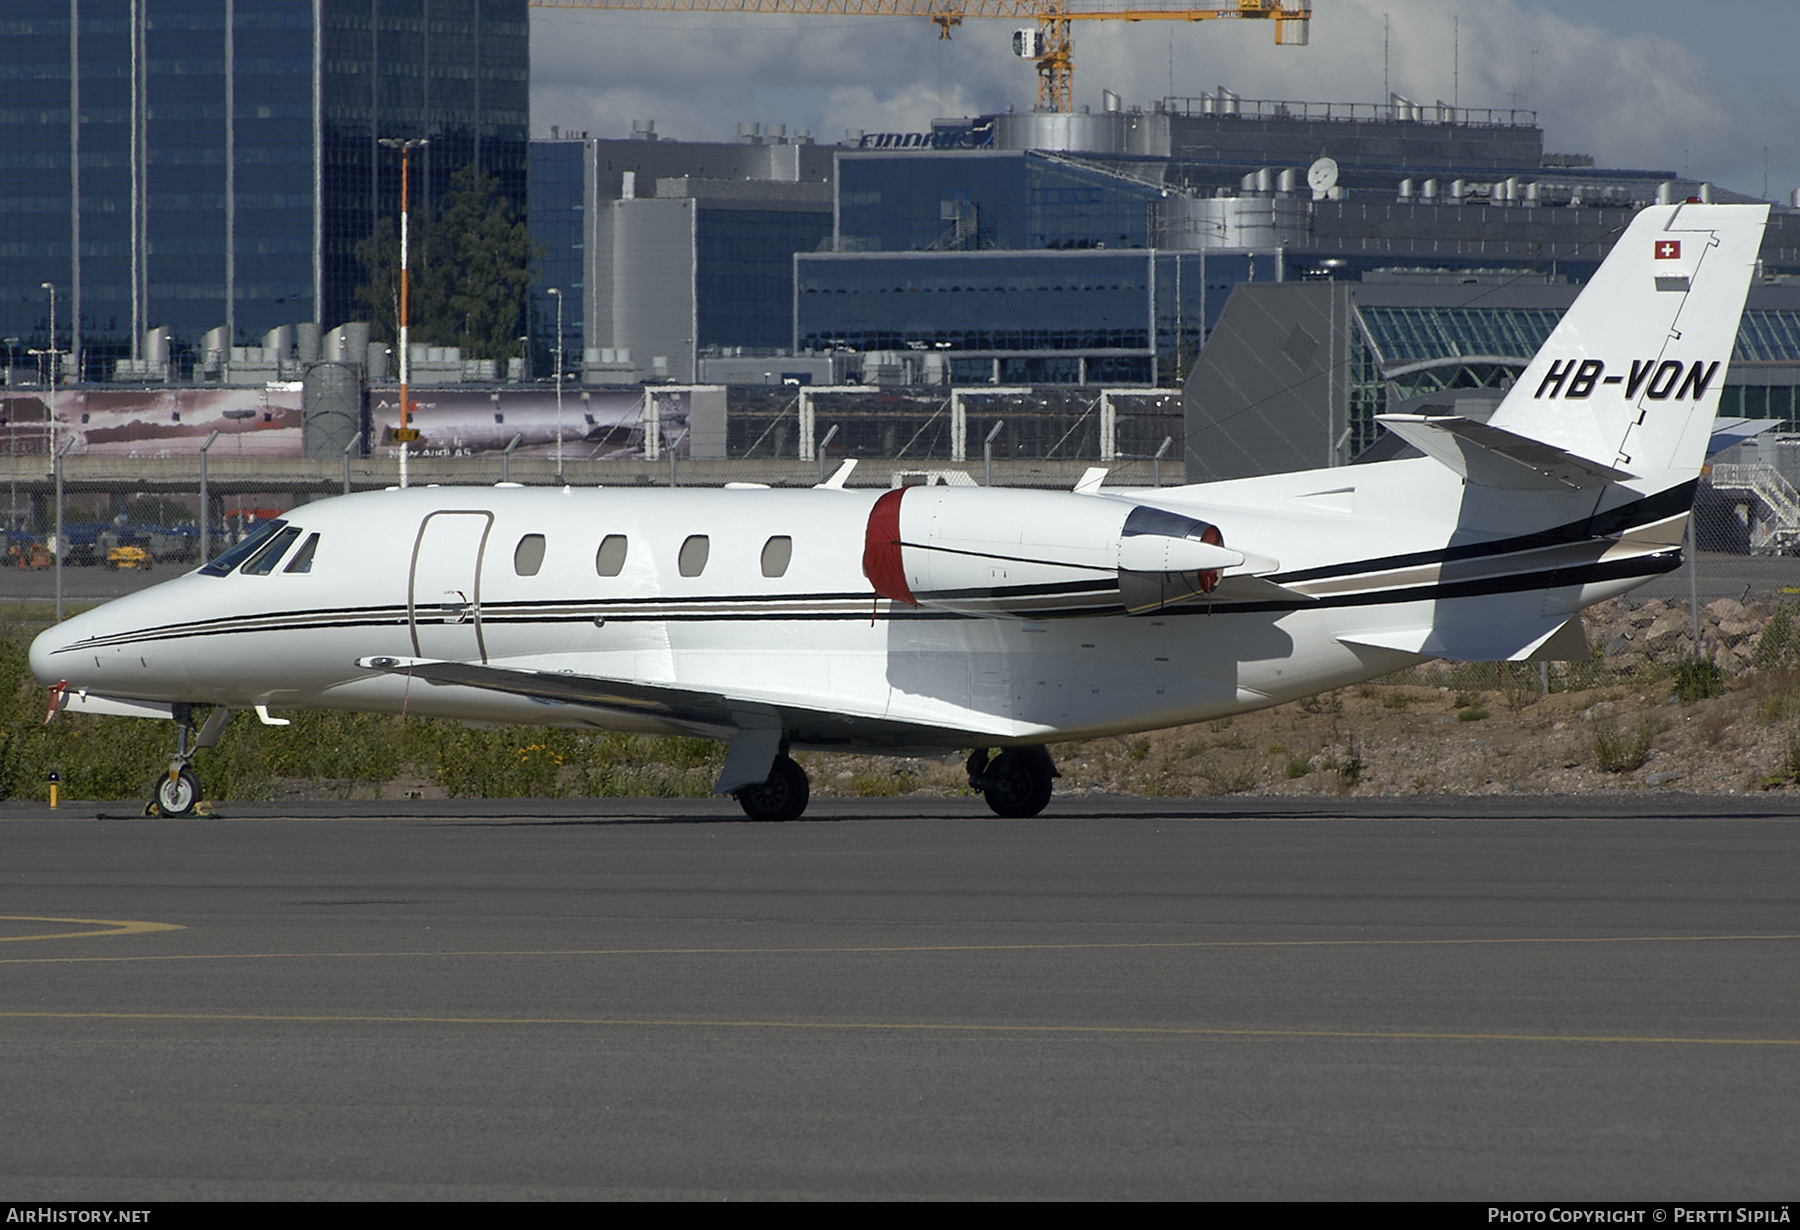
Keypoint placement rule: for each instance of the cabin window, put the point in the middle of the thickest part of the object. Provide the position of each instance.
(303, 558)
(693, 555)
(263, 562)
(609, 560)
(778, 552)
(528, 556)
(236, 555)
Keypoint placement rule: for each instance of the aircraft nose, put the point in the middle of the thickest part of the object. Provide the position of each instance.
(45, 668)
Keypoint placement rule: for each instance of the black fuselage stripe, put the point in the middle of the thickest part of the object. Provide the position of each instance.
(1659, 507)
(1552, 578)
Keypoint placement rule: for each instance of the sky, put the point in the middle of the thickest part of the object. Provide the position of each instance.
(1707, 90)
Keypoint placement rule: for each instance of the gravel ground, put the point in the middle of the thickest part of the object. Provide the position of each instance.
(1613, 723)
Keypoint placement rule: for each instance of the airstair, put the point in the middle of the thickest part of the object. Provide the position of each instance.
(1778, 533)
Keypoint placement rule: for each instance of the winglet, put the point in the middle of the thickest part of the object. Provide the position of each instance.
(1091, 480)
(838, 478)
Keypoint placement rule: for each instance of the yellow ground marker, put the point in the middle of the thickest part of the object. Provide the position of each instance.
(108, 926)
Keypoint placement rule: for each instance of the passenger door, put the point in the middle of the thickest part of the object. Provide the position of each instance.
(443, 600)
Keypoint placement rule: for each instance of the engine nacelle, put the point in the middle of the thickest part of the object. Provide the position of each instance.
(1037, 553)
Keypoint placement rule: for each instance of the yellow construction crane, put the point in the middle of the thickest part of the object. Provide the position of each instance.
(1049, 45)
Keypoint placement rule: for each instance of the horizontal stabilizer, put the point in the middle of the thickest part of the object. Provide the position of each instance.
(1557, 639)
(1494, 457)
(1729, 431)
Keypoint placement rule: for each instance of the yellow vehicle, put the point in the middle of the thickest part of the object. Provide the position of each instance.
(128, 557)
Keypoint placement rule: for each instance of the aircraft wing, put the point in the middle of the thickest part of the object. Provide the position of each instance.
(755, 729)
(679, 704)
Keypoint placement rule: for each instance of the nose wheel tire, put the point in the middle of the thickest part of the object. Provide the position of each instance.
(1017, 785)
(176, 796)
(782, 797)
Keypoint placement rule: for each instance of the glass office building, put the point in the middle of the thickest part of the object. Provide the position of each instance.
(985, 200)
(193, 165)
(561, 184)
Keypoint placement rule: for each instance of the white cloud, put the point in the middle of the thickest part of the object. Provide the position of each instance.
(1632, 97)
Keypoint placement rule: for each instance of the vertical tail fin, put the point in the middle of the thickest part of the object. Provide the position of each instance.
(1631, 376)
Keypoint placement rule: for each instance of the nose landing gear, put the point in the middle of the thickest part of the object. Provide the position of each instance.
(1017, 782)
(178, 791)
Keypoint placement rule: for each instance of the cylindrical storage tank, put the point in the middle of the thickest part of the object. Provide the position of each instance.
(1406, 190)
(156, 345)
(1430, 191)
(330, 408)
(1073, 133)
(1190, 223)
(1288, 180)
(348, 343)
(377, 363)
(306, 341)
(280, 339)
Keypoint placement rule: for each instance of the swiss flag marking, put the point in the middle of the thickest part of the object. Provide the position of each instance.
(1668, 249)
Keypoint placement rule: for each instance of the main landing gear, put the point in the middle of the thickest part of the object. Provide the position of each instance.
(1016, 781)
(177, 792)
(782, 797)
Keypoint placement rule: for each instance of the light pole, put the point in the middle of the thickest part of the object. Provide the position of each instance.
(987, 453)
(205, 497)
(559, 370)
(406, 435)
(506, 457)
(10, 343)
(51, 287)
(355, 442)
(62, 543)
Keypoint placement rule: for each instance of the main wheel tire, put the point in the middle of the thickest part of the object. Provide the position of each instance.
(782, 797)
(176, 796)
(1019, 782)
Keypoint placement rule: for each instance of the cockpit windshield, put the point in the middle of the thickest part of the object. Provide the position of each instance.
(258, 538)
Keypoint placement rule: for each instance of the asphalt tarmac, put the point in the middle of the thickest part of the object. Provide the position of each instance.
(1487, 999)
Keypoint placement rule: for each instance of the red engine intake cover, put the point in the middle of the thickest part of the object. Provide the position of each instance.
(881, 550)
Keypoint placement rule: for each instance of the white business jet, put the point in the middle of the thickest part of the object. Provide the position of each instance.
(931, 618)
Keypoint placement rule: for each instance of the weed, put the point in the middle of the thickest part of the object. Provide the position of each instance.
(1299, 766)
(1714, 725)
(1139, 749)
(1397, 699)
(883, 784)
(1473, 713)
(1617, 751)
(1780, 642)
(1791, 759)
(1698, 679)
(1228, 777)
